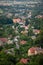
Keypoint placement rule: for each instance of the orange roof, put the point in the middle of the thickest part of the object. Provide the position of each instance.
(17, 20)
(24, 60)
(32, 50)
(3, 39)
(36, 31)
(23, 42)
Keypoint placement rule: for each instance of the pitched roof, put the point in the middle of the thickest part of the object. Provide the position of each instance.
(16, 20)
(36, 31)
(24, 61)
(3, 39)
(33, 49)
(22, 42)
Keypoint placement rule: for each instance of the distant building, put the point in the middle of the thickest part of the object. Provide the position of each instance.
(6, 2)
(10, 42)
(9, 51)
(24, 61)
(22, 42)
(35, 31)
(33, 37)
(35, 51)
(21, 23)
(26, 27)
(16, 20)
(9, 15)
(29, 15)
(3, 41)
(39, 16)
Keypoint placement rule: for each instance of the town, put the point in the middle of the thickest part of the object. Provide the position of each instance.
(21, 34)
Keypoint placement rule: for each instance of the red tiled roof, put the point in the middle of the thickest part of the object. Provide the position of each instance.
(24, 60)
(3, 39)
(32, 50)
(16, 20)
(36, 31)
(38, 49)
(22, 42)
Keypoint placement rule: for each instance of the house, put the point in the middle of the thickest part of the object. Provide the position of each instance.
(4, 40)
(1, 28)
(24, 32)
(29, 15)
(10, 41)
(21, 23)
(9, 51)
(9, 15)
(22, 42)
(35, 31)
(39, 16)
(24, 61)
(25, 27)
(33, 37)
(35, 51)
(9, 37)
(16, 20)
(15, 40)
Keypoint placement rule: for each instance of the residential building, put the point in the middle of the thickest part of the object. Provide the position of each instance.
(22, 42)
(24, 61)
(35, 51)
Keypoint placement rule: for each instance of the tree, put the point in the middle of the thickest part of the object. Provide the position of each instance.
(27, 22)
(6, 59)
(1, 48)
(36, 60)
